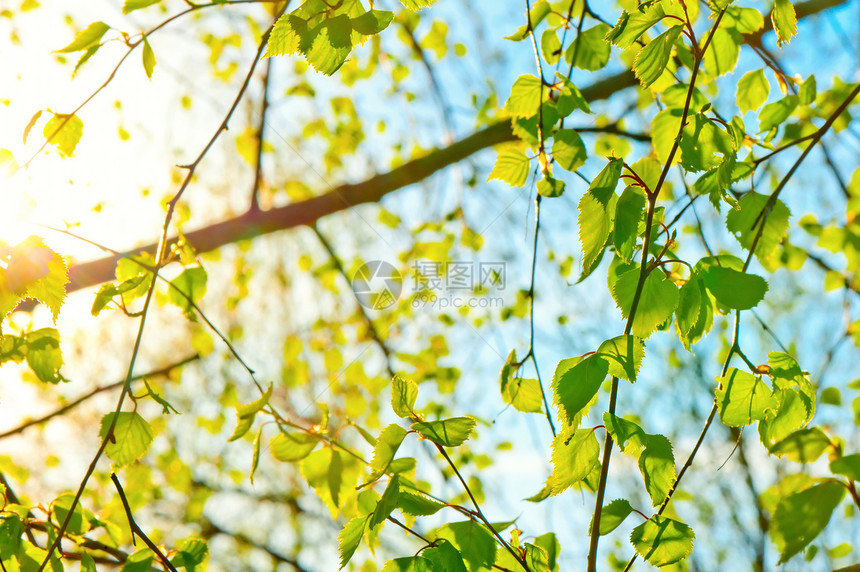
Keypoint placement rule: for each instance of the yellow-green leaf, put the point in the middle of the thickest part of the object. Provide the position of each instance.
(130, 440)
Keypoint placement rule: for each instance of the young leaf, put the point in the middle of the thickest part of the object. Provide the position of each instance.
(722, 53)
(473, 540)
(255, 459)
(624, 355)
(662, 541)
(148, 58)
(752, 90)
(734, 289)
(574, 388)
(445, 557)
(188, 288)
(385, 449)
(372, 22)
(847, 465)
(404, 392)
(574, 455)
(446, 432)
(590, 50)
(246, 413)
(703, 144)
(774, 114)
(64, 131)
(800, 517)
(190, 553)
(612, 516)
(628, 212)
(655, 305)
(550, 187)
(539, 11)
(333, 475)
(632, 25)
(328, 45)
(524, 395)
(44, 355)
(130, 440)
(803, 446)
(594, 220)
(744, 222)
(568, 149)
(350, 537)
(132, 5)
(286, 35)
(525, 97)
(742, 398)
(512, 166)
(417, 505)
(293, 446)
(694, 314)
(784, 21)
(657, 465)
(86, 38)
(652, 59)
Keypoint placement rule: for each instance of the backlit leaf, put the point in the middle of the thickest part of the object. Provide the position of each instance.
(742, 398)
(404, 392)
(524, 395)
(652, 59)
(803, 446)
(574, 456)
(130, 440)
(574, 389)
(655, 305)
(148, 58)
(624, 355)
(550, 187)
(753, 89)
(292, 446)
(446, 432)
(628, 212)
(512, 166)
(372, 22)
(385, 449)
(188, 288)
(44, 355)
(847, 465)
(662, 541)
(350, 537)
(800, 517)
(64, 132)
(86, 38)
(633, 24)
(525, 97)
(784, 21)
(333, 475)
(612, 516)
(568, 149)
(590, 50)
(734, 289)
(594, 220)
(744, 222)
(132, 5)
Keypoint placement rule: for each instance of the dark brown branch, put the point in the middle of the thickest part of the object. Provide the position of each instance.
(135, 529)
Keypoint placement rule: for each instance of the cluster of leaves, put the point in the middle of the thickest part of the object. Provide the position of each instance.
(652, 285)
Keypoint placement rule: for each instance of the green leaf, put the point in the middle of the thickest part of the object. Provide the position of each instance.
(255, 458)
(403, 395)
(753, 89)
(415, 5)
(286, 35)
(694, 314)
(662, 541)
(328, 45)
(130, 440)
(590, 49)
(64, 131)
(148, 58)
(293, 446)
(417, 505)
(611, 516)
(445, 557)
(333, 475)
(539, 11)
(803, 446)
(734, 289)
(632, 25)
(525, 97)
(742, 398)
(552, 547)
(188, 289)
(722, 53)
(473, 540)
(744, 222)
(86, 38)
(550, 187)
(44, 355)
(652, 59)
(574, 388)
(372, 22)
(784, 21)
(132, 5)
(246, 413)
(624, 355)
(446, 432)
(774, 114)
(550, 46)
(657, 465)
(512, 166)
(628, 213)
(569, 99)
(800, 517)
(594, 220)
(568, 149)
(387, 503)
(350, 537)
(409, 564)
(524, 395)
(190, 553)
(703, 144)
(60, 506)
(847, 465)
(574, 456)
(655, 305)
(385, 449)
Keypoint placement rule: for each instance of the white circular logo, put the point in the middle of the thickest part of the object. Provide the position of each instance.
(377, 285)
